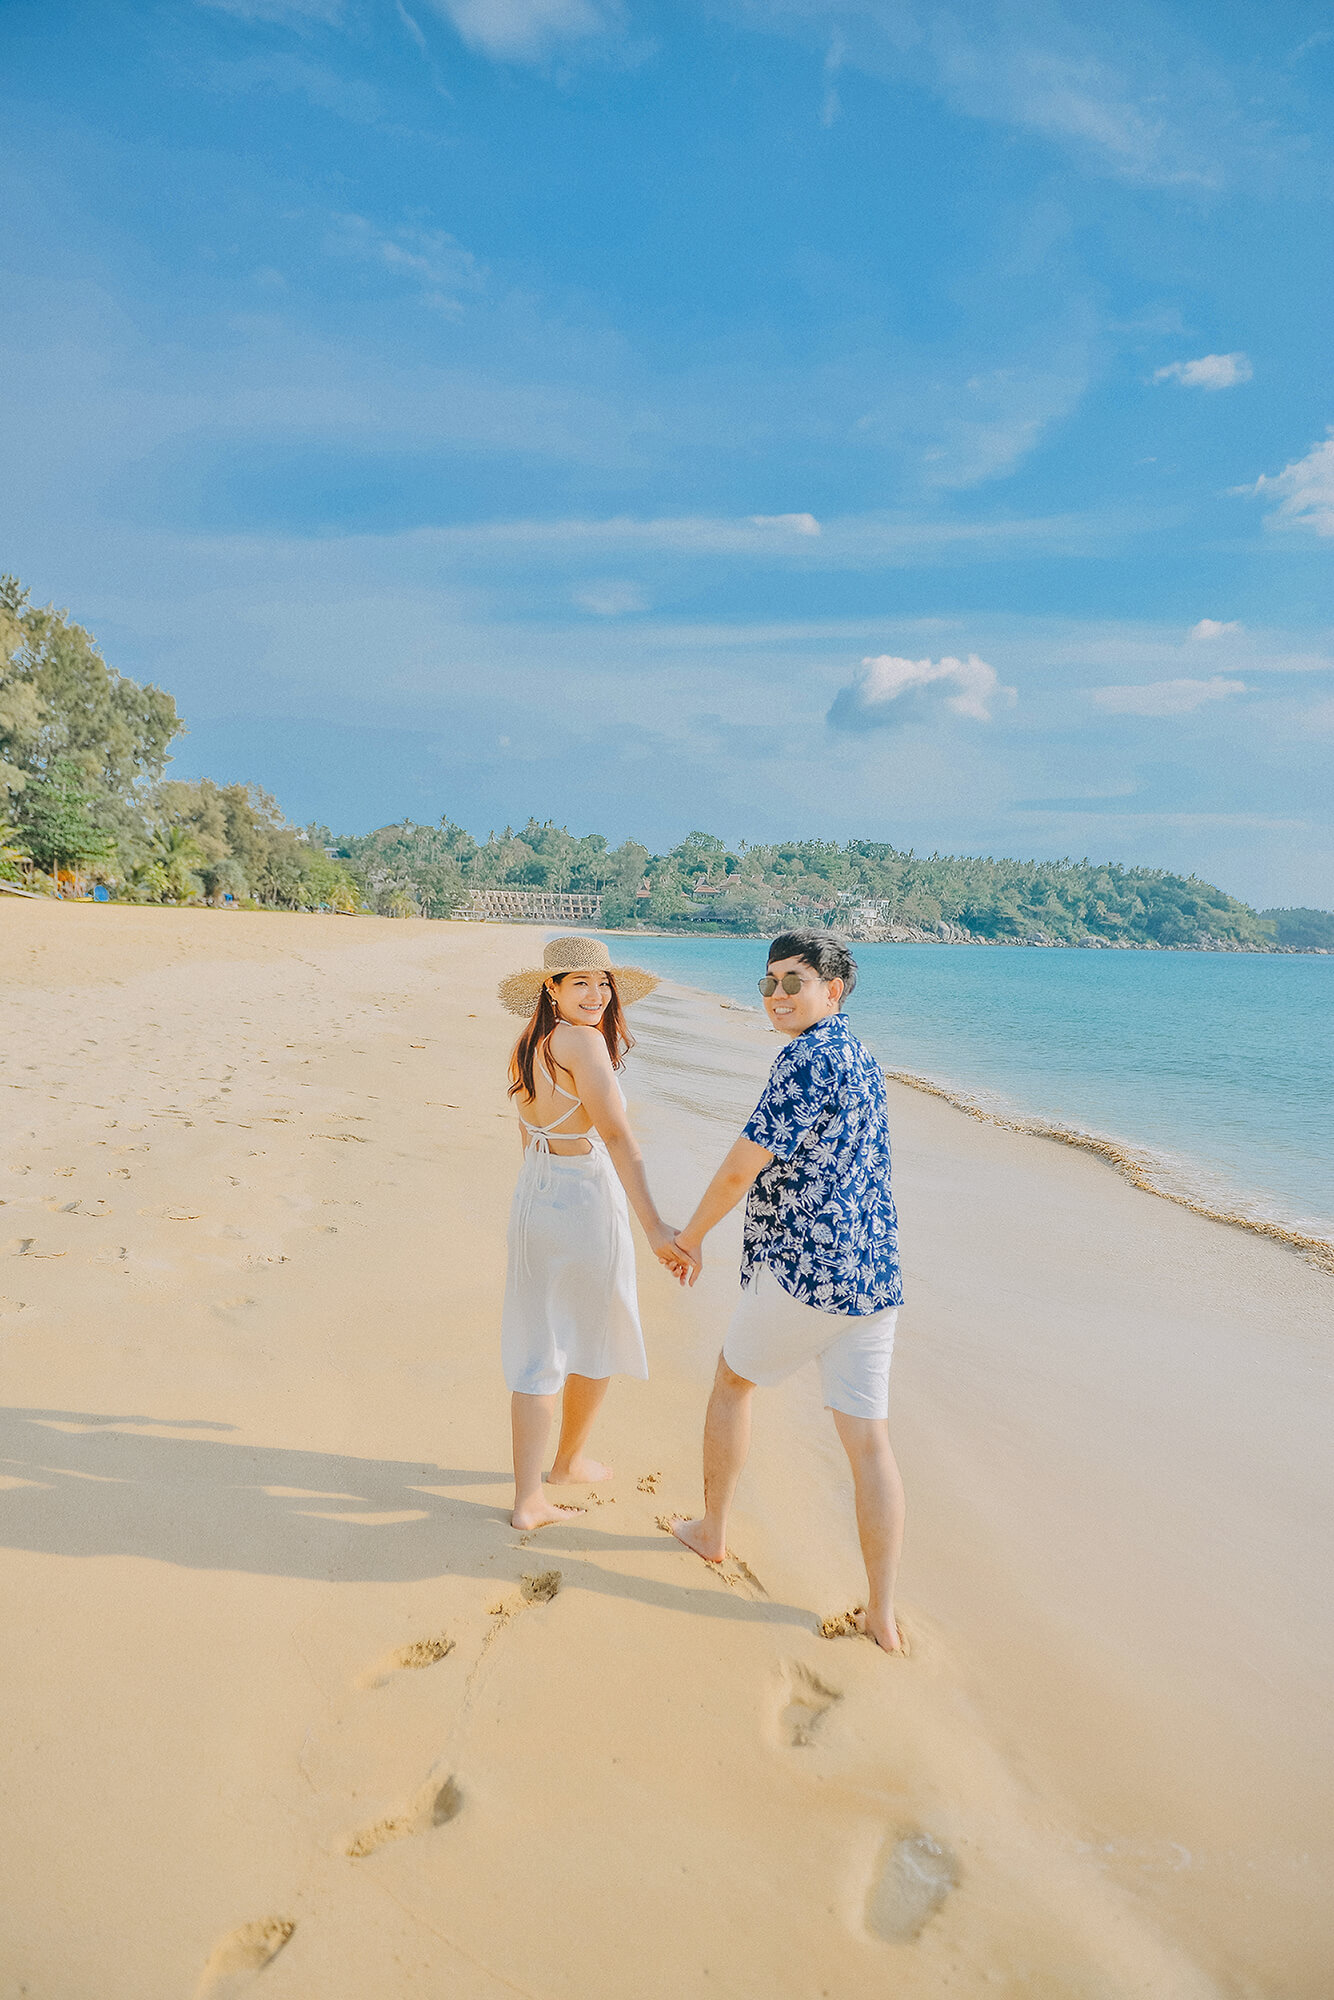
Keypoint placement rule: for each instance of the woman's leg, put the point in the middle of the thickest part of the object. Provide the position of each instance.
(583, 1400)
(530, 1421)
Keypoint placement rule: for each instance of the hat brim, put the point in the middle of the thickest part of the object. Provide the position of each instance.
(518, 993)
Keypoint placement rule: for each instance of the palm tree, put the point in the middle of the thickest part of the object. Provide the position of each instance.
(178, 854)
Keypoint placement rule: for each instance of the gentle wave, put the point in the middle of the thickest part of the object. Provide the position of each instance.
(1152, 1172)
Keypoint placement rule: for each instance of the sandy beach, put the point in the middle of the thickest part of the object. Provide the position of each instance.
(292, 1710)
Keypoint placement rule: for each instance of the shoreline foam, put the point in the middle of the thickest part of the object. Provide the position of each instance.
(1141, 1165)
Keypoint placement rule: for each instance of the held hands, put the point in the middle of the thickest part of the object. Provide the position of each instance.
(684, 1265)
(693, 1256)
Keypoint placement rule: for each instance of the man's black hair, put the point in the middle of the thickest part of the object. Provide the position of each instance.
(822, 951)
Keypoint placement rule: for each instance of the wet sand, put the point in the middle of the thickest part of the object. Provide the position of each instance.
(292, 1707)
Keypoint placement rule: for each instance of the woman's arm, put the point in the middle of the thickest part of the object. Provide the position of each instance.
(583, 1053)
(732, 1180)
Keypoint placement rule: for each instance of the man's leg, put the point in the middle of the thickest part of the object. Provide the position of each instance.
(726, 1443)
(879, 1490)
(581, 1403)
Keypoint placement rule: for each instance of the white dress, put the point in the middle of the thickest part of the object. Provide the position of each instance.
(570, 1301)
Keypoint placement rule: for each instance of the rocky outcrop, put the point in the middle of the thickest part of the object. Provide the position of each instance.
(941, 933)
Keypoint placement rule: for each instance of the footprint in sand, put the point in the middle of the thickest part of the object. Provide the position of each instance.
(915, 1876)
(416, 1654)
(538, 1589)
(804, 1703)
(435, 1805)
(237, 1958)
(733, 1570)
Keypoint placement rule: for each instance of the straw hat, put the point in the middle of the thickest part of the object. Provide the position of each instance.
(519, 992)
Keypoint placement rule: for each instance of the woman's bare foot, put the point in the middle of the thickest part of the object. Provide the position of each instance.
(579, 1472)
(880, 1626)
(539, 1512)
(699, 1536)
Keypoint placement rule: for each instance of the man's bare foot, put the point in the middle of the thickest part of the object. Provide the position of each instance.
(579, 1472)
(699, 1536)
(881, 1627)
(541, 1512)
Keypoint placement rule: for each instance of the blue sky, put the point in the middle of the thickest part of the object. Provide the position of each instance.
(822, 417)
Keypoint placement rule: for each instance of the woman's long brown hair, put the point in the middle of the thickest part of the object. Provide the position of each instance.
(534, 1044)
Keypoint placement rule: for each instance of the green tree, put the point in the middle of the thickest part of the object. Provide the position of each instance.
(423, 864)
(62, 705)
(667, 898)
(1302, 930)
(13, 852)
(625, 867)
(118, 732)
(56, 820)
(20, 710)
(177, 854)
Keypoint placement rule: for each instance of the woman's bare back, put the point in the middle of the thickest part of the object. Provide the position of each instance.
(558, 1103)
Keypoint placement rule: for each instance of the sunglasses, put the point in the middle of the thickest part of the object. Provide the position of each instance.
(791, 982)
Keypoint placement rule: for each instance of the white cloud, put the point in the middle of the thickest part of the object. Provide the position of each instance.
(890, 690)
(528, 30)
(962, 429)
(1306, 488)
(800, 524)
(610, 600)
(1211, 628)
(1074, 98)
(347, 97)
(1210, 371)
(429, 257)
(852, 542)
(1146, 109)
(830, 107)
(412, 27)
(1164, 697)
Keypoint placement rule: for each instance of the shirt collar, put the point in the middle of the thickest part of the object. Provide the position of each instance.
(835, 1024)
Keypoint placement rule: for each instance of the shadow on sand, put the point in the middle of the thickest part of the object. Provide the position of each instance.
(80, 1484)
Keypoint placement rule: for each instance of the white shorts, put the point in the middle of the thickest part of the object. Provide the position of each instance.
(771, 1335)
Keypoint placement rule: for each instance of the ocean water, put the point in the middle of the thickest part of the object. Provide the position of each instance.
(1213, 1071)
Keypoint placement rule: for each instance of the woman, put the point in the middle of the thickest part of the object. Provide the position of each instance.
(571, 1317)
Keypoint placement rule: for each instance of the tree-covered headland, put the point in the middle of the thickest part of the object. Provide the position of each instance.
(84, 798)
(865, 888)
(1301, 930)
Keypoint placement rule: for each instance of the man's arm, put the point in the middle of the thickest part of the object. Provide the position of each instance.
(732, 1180)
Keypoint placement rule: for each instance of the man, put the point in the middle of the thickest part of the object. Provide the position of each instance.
(820, 1267)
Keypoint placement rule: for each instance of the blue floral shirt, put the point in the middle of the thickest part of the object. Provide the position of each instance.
(821, 1214)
